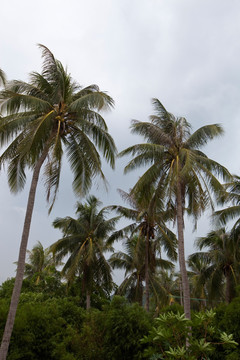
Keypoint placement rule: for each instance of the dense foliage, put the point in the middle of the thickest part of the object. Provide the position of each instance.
(59, 329)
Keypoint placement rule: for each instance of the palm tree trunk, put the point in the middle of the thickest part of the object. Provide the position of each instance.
(139, 293)
(228, 287)
(181, 254)
(147, 272)
(88, 300)
(180, 291)
(21, 258)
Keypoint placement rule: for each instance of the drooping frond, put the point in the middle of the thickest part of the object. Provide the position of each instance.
(20, 96)
(151, 132)
(84, 161)
(2, 77)
(229, 213)
(202, 135)
(160, 110)
(49, 68)
(89, 98)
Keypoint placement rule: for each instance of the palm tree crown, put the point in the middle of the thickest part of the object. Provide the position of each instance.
(40, 263)
(173, 154)
(53, 113)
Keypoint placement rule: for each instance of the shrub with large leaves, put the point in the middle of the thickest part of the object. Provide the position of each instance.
(167, 339)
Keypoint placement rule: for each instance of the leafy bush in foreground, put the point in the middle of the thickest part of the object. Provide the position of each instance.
(176, 337)
(59, 329)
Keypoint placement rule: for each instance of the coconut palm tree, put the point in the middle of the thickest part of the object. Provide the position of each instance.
(149, 221)
(47, 117)
(85, 242)
(133, 262)
(184, 175)
(222, 255)
(40, 263)
(199, 276)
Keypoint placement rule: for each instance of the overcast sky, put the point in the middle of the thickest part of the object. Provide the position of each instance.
(186, 53)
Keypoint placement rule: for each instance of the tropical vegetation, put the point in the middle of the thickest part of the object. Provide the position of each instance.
(66, 301)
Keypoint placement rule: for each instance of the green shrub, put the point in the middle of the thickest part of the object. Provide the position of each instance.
(41, 329)
(176, 337)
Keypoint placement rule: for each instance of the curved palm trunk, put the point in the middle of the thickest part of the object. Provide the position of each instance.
(181, 254)
(21, 259)
(147, 272)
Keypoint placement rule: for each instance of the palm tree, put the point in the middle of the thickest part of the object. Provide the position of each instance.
(85, 242)
(169, 281)
(199, 276)
(47, 117)
(149, 221)
(222, 255)
(133, 262)
(183, 174)
(40, 263)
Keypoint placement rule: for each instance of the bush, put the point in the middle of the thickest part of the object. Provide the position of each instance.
(41, 329)
(176, 337)
(125, 325)
(228, 320)
(58, 329)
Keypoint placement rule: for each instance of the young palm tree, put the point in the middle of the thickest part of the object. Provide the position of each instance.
(171, 282)
(184, 174)
(40, 263)
(85, 242)
(133, 262)
(45, 118)
(149, 221)
(199, 276)
(222, 255)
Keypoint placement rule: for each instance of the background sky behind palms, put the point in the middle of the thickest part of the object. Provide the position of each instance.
(186, 53)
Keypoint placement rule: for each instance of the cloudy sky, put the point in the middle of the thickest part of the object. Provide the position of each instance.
(186, 53)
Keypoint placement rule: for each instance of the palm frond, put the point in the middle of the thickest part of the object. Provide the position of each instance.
(202, 135)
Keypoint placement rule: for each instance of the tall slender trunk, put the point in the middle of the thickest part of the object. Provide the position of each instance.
(228, 287)
(21, 258)
(88, 300)
(139, 292)
(180, 292)
(203, 302)
(147, 271)
(181, 254)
